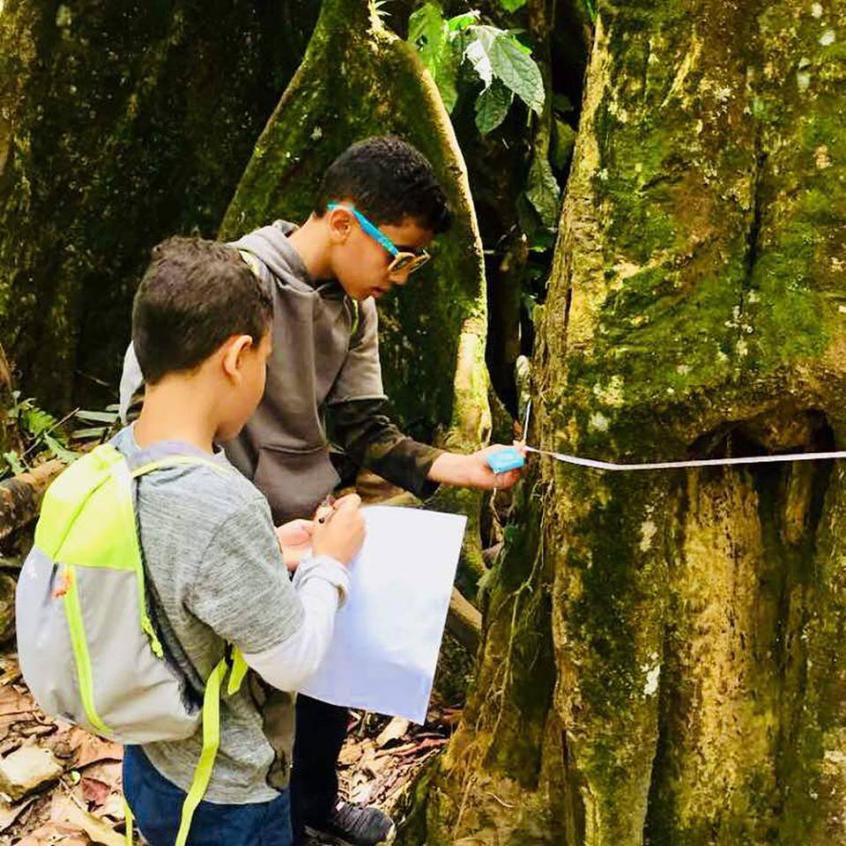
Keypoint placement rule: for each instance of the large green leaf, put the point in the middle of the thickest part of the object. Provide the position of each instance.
(512, 5)
(497, 54)
(492, 106)
(518, 71)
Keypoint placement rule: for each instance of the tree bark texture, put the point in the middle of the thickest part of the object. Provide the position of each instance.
(120, 124)
(358, 80)
(662, 657)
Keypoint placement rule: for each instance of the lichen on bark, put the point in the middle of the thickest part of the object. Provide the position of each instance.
(120, 124)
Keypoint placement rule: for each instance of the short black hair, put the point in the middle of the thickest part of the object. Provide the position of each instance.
(194, 295)
(388, 180)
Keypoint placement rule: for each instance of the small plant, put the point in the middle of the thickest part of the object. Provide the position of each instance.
(496, 57)
(40, 432)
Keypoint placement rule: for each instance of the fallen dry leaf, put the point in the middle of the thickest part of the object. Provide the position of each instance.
(112, 807)
(96, 829)
(85, 748)
(53, 832)
(94, 790)
(67, 813)
(9, 813)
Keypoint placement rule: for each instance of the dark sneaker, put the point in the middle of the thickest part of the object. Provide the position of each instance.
(354, 825)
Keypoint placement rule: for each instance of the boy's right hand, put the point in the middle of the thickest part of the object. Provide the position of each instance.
(341, 534)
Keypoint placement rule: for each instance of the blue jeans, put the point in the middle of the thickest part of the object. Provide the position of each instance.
(157, 807)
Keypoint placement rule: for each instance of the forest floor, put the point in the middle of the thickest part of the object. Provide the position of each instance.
(59, 784)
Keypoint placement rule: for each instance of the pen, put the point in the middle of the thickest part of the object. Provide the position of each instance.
(328, 502)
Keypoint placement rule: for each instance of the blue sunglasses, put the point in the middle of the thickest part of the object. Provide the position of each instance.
(402, 261)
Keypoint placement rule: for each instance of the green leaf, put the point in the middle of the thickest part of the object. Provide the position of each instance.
(97, 416)
(523, 48)
(492, 106)
(429, 33)
(478, 51)
(512, 5)
(92, 432)
(562, 103)
(14, 462)
(563, 142)
(446, 76)
(36, 421)
(461, 22)
(528, 219)
(59, 450)
(517, 71)
(543, 191)
(494, 53)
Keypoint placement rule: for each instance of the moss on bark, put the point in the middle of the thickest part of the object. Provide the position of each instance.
(120, 124)
(694, 308)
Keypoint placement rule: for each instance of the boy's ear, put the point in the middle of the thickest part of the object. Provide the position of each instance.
(340, 223)
(234, 351)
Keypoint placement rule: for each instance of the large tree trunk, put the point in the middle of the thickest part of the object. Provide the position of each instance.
(661, 659)
(357, 80)
(120, 124)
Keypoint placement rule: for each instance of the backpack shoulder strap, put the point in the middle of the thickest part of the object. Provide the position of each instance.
(175, 461)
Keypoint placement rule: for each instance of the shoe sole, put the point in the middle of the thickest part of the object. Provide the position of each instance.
(324, 839)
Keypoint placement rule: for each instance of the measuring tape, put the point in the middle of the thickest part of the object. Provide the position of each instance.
(672, 465)
(510, 458)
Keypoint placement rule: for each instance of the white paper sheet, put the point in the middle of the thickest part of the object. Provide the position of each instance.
(387, 637)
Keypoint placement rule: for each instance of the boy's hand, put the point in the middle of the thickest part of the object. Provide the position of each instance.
(294, 541)
(341, 533)
(473, 471)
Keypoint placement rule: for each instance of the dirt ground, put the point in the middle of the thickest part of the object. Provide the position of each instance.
(79, 801)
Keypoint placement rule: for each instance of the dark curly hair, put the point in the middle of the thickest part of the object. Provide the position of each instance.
(388, 180)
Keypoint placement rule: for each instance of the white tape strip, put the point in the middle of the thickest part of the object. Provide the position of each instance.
(705, 462)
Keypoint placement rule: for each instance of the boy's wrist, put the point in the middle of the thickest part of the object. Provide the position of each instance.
(450, 468)
(326, 568)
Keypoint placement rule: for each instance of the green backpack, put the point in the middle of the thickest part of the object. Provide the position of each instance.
(87, 648)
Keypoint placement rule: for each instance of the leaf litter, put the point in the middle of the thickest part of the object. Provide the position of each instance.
(84, 805)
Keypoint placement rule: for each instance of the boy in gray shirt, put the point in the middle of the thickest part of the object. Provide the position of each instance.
(376, 211)
(215, 574)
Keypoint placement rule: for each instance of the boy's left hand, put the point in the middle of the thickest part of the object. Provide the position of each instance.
(473, 471)
(295, 541)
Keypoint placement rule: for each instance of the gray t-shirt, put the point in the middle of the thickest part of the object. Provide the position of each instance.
(215, 574)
